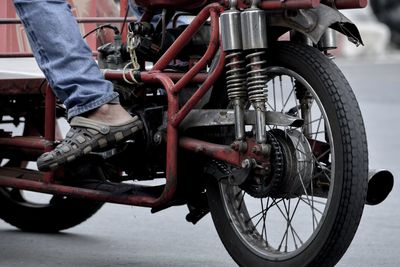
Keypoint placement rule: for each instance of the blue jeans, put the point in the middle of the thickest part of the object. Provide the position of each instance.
(63, 56)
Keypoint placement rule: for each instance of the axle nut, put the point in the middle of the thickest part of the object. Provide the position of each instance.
(246, 164)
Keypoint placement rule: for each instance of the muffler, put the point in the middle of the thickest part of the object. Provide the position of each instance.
(380, 184)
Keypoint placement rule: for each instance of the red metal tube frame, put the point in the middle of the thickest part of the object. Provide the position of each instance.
(185, 36)
(349, 4)
(166, 80)
(174, 76)
(289, 4)
(49, 125)
(215, 151)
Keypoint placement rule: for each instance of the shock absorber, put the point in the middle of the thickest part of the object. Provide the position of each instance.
(236, 72)
(254, 38)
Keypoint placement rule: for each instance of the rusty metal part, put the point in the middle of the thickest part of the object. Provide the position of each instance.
(223, 152)
(289, 4)
(348, 4)
(174, 76)
(51, 188)
(314, 22)
(27, 148)
(215, 151)
(215, 117)
(203, 89)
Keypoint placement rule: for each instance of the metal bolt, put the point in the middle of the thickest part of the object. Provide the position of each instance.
(157, 138)
(246, 164)
(266, 149)
(256, 149)
(239, 146)
(235, 146)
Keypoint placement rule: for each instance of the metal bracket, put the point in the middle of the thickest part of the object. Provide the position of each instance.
(314, 22)
(219, 117)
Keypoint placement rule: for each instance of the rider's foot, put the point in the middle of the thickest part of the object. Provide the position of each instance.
(110, 114)
(100, 130)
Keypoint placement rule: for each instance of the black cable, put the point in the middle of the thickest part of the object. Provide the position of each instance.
(163, 28)
(125, 20)
(109, 26)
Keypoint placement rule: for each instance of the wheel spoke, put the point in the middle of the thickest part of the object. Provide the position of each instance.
(308, 203)
(268, 207)
(273, 88)
(289, 225)
(308, 198)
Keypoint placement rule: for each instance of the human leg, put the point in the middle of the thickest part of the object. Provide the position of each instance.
(68, 65)
(63, 56)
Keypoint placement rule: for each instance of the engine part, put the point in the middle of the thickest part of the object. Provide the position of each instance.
(254, 27)
(257, 91)
(328, 41)
(231, 33)
(236, 89)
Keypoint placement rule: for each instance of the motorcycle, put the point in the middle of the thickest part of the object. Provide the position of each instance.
(245, 116)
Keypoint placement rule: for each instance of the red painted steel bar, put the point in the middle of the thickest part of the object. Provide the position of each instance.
(349, 4)
(289, 4)
(137, 200)
(174, 76)
(201, 64)
(215, 151)
(50, 125)
(22, 147)
(185, 36)
(78, 19)
(172, 139)
(24, 142)
(200, 92)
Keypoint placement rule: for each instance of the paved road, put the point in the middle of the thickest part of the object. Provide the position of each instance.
(130, 236)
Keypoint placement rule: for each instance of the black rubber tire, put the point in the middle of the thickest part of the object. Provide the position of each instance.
(60, 214)
(351, 155)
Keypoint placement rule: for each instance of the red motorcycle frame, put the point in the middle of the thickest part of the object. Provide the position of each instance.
(173, 84)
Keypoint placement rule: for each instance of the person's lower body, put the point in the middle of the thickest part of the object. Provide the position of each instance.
(97, 119)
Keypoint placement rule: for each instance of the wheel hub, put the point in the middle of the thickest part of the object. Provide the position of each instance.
(291, 167)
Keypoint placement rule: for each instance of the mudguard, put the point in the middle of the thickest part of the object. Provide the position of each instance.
(314, 22)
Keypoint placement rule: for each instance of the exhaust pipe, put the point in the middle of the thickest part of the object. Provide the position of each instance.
(380, 184)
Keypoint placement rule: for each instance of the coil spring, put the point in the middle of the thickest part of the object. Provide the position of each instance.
(256, 77)
(235, 76)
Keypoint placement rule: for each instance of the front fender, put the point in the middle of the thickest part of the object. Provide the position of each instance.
(314, 22)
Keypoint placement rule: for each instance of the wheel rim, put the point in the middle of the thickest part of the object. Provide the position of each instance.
(280, 228)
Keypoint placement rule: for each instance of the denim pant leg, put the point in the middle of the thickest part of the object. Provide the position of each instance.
(63, 56)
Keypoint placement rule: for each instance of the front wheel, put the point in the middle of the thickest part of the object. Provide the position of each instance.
(306, 212)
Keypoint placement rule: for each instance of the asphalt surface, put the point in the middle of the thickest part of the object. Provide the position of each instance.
(130, 236)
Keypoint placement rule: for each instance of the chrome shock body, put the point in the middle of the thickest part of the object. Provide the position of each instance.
(246, 31)
(236, 72)
(254, 38)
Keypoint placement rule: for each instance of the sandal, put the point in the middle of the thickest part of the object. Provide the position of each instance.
(87, 136)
